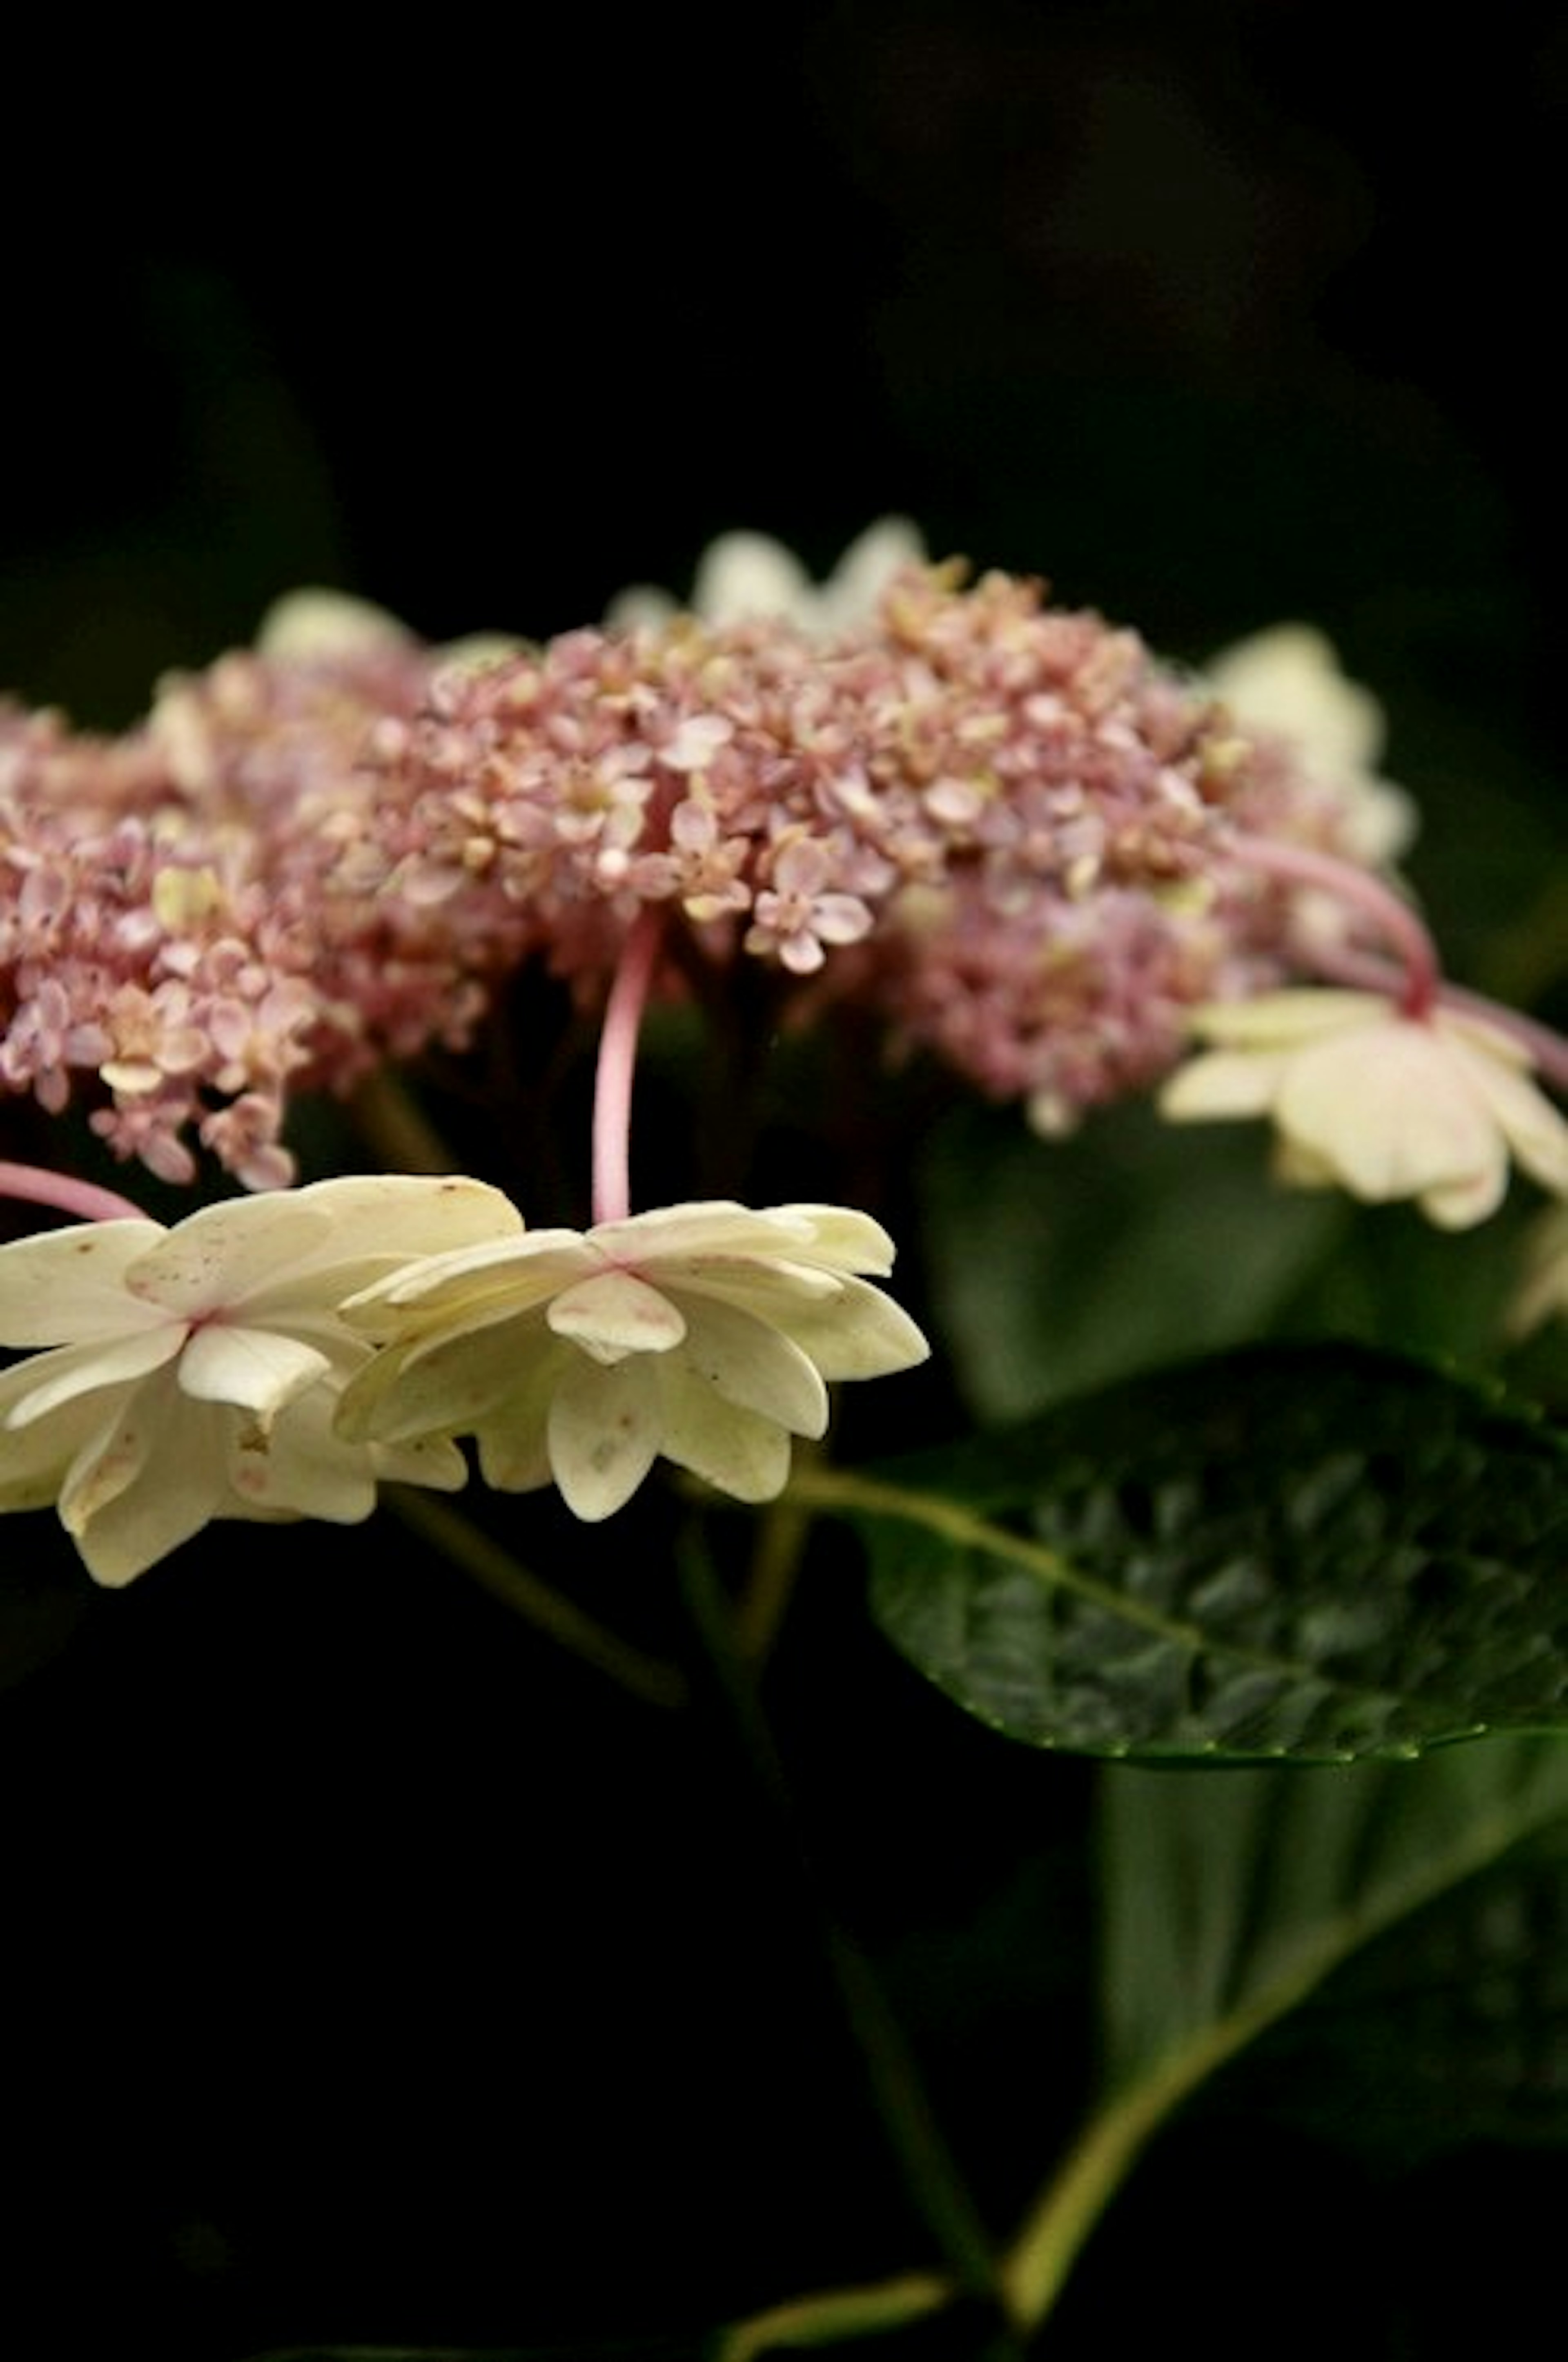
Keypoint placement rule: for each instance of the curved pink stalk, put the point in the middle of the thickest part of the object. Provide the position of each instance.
(617, 1062)
(1402, 929)
(1547, 1051)
(38, 1186)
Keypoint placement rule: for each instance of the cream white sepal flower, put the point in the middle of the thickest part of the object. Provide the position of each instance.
(191, 1373)
(1384, 1105)
(1289, 680)
(703, 1332)
(748, 577)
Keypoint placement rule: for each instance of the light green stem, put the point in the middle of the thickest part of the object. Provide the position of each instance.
(835, 2313)
(448, 1531)
(1036, 2267)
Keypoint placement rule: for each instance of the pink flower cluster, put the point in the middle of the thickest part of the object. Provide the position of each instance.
(178, 918)
(1003, 825)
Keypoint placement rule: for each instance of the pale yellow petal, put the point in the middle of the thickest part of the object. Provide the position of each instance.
(69, 1286)
(604, 1430)
(755, 1367)
(258, 1370)
(735, 1450)
(38, 1387)
(1391, 1111)
(1220, 1085)
(615, 1313)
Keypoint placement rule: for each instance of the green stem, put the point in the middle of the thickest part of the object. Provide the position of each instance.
(927, 2166)
(467, 1546)
(1053, 2235)
(770, 1578)
(835, 2313)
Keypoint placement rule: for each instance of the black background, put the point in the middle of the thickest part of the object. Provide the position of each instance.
(373, 1972)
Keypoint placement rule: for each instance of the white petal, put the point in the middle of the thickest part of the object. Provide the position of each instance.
(1391, 1110)
(840, 1237)
(701, 1227)
(1288, 679)
(35, 1388)
(743, 576)
(604, 1430)
(756, 1367)
(298, 1466)
(69, 1286)
(1459, 1205)
(147, 1485)
(514, 1443)
(34, 1460)
(1531, 1125)
(257, 1369)
(852, 591)
(216, 1257)
(306, 626)
(1220, 1084)
(864, 1334)
(451, 1385)
(505, 1273)
(615, 1313)
(433, 1459)
(737, 1450)
(378, 1223)
(773, 1290)
(1283, 1020)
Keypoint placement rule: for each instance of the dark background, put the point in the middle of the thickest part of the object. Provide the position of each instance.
(373, 1972)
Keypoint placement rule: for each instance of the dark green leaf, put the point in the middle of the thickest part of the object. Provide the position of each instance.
(1454, 2030)
(1318, 1553)
(1226, 1897)
(1132, 1243)
(1231, 1905)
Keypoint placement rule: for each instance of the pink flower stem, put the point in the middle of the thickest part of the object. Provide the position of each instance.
(1408, 938)
(617, 1062)
(38, 1186)
(1547, 1051)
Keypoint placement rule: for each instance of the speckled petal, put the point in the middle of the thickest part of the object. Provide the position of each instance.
(604, 1431)
(755, 1367)
(70, 1284)
(33, 1389)
(146, 1484)
(737, 1450)
(615, 1313)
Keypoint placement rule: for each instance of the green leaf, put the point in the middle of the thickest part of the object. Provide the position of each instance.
(1223, 1898)
(1452, 2031)
(1134, 1242)
(1313, 1552)
(1229, 1903)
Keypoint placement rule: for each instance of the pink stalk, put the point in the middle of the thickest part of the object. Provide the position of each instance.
(617, 1062)
(83, 1198)
(1548, 1051)
(1408, 938)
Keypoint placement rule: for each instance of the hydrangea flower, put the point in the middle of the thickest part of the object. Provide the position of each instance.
(1288, 683)
(193, 1372)
(704, 1332)
(744, 577)
(1387, 1105)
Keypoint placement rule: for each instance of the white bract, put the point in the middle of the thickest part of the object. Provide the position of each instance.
(1289, 680)
(748, 577)
(1385, 1105)
(704, 1332)
(193, 1372)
